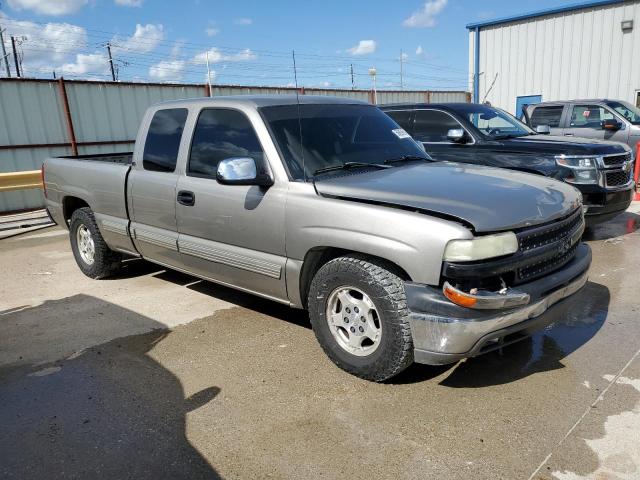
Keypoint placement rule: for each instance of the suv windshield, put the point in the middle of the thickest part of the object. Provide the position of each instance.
(492, 122)
(628, 111)
(337, 134)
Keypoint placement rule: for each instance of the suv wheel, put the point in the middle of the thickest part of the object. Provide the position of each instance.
(92, 255)
(359, 315)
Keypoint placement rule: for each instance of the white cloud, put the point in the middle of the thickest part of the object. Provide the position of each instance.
(48, 7)
(49, 42)
(129, 3)
(95, 63)
(364, 47)
(216, 56)
(144, 40)
(212, 31)
(419, 51)
(243, 21)
(404, 56)
(168, 70)
(426, 17)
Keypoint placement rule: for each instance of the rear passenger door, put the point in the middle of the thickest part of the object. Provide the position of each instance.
(549, 115)
(233, 234)
(431, 126)
(152, 188)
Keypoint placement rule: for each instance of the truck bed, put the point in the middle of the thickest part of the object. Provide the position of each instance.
(124, 158)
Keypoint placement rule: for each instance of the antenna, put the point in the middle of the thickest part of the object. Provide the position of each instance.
(295, 77)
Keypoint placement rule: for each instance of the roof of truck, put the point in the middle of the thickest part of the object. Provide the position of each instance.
(579, 100)
(267, 100)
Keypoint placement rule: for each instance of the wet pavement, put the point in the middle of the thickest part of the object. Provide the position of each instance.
(156, 374)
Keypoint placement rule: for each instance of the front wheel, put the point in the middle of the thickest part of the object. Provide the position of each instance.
(93, 256)
(358, 312)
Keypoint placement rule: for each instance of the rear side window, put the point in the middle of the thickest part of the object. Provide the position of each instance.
(163, 140)
(219, 134)
(546, 116)
(432, 126)
(402, 118)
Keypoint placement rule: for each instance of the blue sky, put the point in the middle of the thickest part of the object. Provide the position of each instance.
(251, 42)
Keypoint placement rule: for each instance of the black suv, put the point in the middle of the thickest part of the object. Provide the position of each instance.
(484, 135)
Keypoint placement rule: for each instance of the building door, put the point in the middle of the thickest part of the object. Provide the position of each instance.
(522, 102)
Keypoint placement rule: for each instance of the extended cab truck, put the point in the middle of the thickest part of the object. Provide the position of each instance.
(328, 205)
(483, 135)
(600, 119)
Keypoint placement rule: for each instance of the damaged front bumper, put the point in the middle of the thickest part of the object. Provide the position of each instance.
(445, 333)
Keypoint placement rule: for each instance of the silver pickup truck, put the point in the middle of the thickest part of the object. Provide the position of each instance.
(327, 204)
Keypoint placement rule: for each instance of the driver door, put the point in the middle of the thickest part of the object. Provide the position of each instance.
(232, 234)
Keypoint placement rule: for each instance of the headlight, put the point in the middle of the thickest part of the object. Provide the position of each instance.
(481, 247)
(585, 169)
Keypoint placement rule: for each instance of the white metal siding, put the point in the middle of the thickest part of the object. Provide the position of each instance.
(569, 55)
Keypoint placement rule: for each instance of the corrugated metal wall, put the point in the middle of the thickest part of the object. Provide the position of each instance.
(33, 122)
(575, 54)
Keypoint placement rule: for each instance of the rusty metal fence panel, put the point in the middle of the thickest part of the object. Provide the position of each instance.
(43, 118)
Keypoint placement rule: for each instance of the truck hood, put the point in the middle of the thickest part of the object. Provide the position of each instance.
(563, 145)
(489, 199)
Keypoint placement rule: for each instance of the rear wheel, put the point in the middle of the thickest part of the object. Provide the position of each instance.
(359, 315)
(93, 256)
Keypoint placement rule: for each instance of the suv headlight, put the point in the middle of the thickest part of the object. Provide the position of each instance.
(480, 248)
(585, 169)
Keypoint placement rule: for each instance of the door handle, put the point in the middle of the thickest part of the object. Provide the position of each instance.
(186, 198)
(568, 134)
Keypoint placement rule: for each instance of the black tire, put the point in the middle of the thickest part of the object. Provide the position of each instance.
(105, 261)
(386, 290)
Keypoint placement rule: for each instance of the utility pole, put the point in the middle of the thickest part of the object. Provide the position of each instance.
(401, 70)
(15, 55)
(113, 72)
(208, 74)
(353, 83)
(5, 55)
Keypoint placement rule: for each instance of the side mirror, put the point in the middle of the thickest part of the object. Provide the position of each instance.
(611, 124)
(543, 129)
(456, 135)
(243, 171)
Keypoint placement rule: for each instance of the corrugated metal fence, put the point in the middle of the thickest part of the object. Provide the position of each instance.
(42, 118)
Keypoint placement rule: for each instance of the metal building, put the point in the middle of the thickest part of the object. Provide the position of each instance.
(584, 50)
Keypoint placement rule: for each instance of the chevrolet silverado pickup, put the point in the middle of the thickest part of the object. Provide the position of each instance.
(327, 204)
(484, 135)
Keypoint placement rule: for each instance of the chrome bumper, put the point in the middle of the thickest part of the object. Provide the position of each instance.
(445, 333)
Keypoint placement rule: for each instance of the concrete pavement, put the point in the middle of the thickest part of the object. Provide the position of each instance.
(156, 374)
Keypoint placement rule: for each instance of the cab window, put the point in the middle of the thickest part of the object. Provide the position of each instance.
(402, 118)
(549, 116)
(163, 140)
(432, 126)
(589, 116)
(219, 134)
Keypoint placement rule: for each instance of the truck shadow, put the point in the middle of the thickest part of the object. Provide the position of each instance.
(105, 411)
(623, 224)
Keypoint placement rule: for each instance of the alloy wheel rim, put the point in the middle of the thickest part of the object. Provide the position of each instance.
(86, 246)
(354, 321)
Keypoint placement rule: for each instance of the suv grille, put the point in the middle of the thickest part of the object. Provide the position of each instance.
(615, 178)
(612, 160)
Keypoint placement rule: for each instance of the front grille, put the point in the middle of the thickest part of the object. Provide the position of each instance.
(615, 178)
(546, 234)
(612, 160)
(537, 269)
(543, 249)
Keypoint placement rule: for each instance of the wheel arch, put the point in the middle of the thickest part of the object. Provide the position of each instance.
(70, 204)
(316, 257)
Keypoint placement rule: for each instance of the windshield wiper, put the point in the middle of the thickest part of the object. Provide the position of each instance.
(408, 158)
(347, 166)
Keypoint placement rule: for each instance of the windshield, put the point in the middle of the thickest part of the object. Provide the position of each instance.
(493, 122)
(628, 111)
(336, 134)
